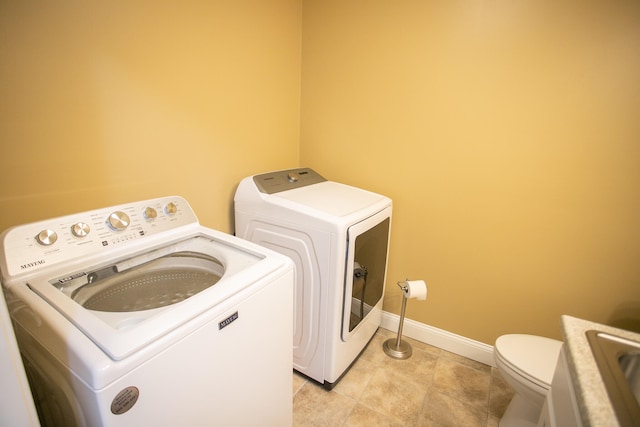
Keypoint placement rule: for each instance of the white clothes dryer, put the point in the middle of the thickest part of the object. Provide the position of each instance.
(137, 315)
(338, 238)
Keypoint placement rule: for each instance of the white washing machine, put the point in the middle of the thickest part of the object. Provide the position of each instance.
(137, 315)
(338, 238)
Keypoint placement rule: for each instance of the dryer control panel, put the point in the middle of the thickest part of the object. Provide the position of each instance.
(30, 247)
(274, 182)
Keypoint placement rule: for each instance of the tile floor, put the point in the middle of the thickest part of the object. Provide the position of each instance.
(431, 388)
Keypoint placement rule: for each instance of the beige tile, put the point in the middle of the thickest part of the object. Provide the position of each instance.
(393, 397)
(356, 379)
(386, 332)
(315, 406)
(373, 352)
(361, 416)
(467, 362)
(461, 382)
(493, 421)
(417, 345)
(432, 388)
(297, 382)
(500, 394)
(418, 368)
(445, 411)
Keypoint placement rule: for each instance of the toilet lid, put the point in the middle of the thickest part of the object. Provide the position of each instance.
(532, 356)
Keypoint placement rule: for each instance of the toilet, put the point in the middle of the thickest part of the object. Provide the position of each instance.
(527, 364)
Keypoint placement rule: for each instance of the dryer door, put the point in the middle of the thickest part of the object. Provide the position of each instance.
(367, 248)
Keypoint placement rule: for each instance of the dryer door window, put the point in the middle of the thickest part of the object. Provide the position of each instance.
(366, 270)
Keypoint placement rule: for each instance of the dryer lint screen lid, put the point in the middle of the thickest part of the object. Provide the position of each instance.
(158, 283)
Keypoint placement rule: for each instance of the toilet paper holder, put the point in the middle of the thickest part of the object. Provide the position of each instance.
(395, 347)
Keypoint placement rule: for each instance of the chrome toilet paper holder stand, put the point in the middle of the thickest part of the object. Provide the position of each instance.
(395, 347)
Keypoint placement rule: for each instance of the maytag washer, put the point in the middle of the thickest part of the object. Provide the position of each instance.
(338, 238)
(137, 315)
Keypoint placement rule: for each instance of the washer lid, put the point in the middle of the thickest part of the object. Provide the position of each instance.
(532, 356)
(208, 269)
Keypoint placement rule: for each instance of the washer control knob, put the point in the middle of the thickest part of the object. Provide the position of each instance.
(80, 229)
(293, 177)
(118, 221)
(150, 213)
(47, 237)
(171, 208)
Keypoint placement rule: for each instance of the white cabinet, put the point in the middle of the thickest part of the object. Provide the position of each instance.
(546, 416)
(560, 407)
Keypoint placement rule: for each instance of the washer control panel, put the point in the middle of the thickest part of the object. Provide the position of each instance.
(28, 247)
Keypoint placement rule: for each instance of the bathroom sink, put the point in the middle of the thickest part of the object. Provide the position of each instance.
(618, 360)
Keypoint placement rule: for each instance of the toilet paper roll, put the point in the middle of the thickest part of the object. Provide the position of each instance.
(415, 289)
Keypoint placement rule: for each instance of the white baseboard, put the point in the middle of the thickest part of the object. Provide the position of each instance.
(448, 341)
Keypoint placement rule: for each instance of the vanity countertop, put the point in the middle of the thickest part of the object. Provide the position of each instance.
(592, 398)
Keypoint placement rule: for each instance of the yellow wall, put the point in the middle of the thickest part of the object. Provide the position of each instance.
(109, 102)
(507, 134)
